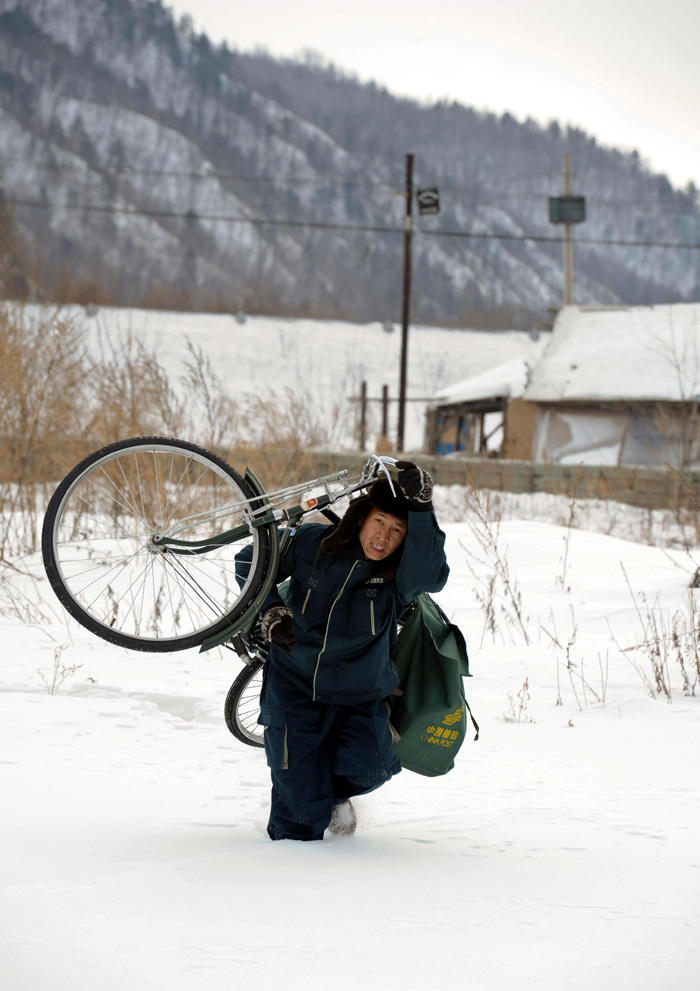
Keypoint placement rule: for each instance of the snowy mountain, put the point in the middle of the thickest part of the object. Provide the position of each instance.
(145, 165)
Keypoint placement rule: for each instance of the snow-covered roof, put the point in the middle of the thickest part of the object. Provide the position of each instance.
(620, 353)
(503, 381)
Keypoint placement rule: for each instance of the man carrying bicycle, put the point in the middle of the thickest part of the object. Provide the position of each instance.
(329, 670)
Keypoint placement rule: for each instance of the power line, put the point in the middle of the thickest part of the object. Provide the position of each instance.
(608, 242)
(640, 205)
(479, 188)
(214, 174)
(194, 174)
(193, 216)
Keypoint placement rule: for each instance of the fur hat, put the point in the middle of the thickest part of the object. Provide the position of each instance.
(379, 497)
(394, 503)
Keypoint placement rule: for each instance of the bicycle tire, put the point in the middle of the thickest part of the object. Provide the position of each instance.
(242, 705)
(102, 563)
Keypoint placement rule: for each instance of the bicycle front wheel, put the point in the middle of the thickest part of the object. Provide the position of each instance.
(104, 557)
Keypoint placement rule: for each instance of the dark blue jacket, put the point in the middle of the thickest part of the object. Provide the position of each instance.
(345, 608)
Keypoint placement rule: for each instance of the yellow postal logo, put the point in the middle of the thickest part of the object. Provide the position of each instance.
(454, 717)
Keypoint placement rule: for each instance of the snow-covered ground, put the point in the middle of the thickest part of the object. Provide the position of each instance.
(322, 362)
(563, 851)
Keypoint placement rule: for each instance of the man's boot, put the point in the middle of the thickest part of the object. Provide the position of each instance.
(343, 820)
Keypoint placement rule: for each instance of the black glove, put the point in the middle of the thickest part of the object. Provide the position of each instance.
(416, 485)
(276, 627)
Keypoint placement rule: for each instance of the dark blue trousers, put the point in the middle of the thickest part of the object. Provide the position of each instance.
(319, 755)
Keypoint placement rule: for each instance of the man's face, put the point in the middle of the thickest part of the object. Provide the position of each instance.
(380, 535)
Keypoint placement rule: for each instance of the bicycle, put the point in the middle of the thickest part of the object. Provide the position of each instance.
(140, 543)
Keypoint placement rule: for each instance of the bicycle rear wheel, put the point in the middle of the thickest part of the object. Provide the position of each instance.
(242, 705)
(115, 579)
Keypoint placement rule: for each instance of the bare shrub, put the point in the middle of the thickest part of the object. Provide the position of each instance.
(580, 684)
(59, 673)
(569, 524)
(517, 713)
(685, 637)
(497, 591)
(688, 509)
(278, 433)
(43, 398)
(212, 414)
(666, 637)
(57, 405)
(656, 645)
(131, 395)
(16, 602)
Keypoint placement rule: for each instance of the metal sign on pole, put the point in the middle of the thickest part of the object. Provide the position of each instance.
(567, 209)
(406, 302)
(428, 201)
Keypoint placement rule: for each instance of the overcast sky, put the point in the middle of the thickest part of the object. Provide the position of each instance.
(627, 71)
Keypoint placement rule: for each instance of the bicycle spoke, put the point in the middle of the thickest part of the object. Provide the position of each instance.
(142, 578)
(201, 595)
(98, 511)
(130, 508)
(116, 564)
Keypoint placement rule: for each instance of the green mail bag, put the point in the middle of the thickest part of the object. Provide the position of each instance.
(430, 717)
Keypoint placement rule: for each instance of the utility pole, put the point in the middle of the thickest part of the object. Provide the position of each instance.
(406, 301)
(568, 242)
(363, 415)
(385, 411)
(568, 210)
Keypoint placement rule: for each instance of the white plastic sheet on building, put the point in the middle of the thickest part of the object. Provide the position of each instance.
(573, 437)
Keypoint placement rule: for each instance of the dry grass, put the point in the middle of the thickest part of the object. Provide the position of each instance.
(277, 435)
(58, 404)
(43, 385)
(131, 395)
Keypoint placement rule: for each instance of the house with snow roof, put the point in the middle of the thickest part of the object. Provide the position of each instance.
(613, 385)
(619, 385)
(483, 415)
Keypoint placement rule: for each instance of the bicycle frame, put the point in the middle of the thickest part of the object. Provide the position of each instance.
(260, 512)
